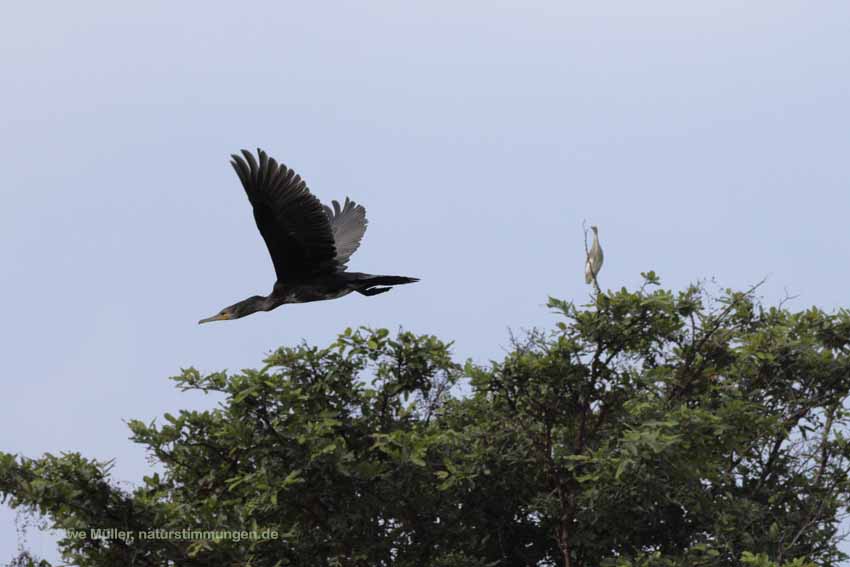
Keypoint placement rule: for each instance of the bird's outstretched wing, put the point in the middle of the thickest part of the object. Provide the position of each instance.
(291, 220)
(348, 224)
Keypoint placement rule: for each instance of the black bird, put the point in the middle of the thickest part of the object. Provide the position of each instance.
(310, 244)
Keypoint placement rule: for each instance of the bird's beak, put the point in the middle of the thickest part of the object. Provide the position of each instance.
(219, 317)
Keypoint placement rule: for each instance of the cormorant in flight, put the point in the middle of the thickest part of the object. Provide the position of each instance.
(309, 243)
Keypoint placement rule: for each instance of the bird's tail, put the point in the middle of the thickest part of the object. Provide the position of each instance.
(367, 283)
(387, 280)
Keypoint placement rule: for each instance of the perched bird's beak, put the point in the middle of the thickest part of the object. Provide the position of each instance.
(219, 317)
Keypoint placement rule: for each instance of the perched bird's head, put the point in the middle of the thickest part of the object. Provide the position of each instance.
(595, 229)
(245, 307)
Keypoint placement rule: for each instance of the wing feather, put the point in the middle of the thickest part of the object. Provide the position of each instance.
(291, 220)
(348, 223)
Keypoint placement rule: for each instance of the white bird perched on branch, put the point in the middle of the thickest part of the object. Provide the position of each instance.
(594, 258)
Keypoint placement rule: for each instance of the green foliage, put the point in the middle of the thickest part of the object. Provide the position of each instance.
(24, 559)
(649, 429)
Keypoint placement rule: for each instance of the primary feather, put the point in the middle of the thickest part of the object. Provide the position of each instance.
(290, 219)
(348, 224)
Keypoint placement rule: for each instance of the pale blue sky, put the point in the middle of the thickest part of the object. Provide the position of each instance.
(705, 139)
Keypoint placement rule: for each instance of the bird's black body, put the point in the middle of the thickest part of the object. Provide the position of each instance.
(309, 244)
(331, 286)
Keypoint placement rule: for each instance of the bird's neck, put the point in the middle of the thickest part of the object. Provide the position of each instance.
(270, 302)
(257, 303)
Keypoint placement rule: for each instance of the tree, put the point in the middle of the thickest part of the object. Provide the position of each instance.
(647, 429)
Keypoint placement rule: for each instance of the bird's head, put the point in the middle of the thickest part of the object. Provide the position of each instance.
(237, 310)
(595, 229)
